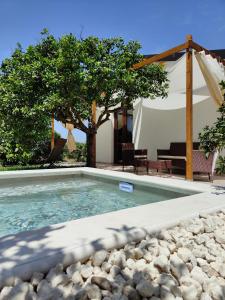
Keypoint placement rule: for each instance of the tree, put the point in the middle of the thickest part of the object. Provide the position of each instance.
(66, 75)
(213, 137)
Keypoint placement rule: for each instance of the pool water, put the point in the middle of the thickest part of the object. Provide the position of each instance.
(41, 202)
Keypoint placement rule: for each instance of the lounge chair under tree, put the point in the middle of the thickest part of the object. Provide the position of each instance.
(56, 152)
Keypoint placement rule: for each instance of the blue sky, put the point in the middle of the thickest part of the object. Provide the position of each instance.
(156, 24)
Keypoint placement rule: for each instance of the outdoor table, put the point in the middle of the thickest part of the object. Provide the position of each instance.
(160, 165)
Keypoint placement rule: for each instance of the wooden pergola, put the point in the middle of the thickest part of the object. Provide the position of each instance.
(187, 46)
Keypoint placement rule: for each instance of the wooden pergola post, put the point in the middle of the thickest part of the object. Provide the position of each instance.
(189, 110)
(53, 132)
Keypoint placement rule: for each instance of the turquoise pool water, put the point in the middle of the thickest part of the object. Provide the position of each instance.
(41, 202)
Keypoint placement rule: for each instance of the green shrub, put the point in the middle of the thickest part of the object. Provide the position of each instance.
(79, 155)
(213, 137)
(220, 165)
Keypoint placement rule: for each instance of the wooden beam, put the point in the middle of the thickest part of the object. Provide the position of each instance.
(199, 48)
(155, 58)
(53, 132)
(189, 111)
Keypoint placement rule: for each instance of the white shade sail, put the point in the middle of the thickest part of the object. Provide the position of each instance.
(202, 88)
(214, 73)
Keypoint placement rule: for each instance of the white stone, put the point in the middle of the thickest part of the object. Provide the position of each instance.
(152, 271)
(215, 265)
(190, 283)
(106, 266)
(202, 238)
(177, 266)
(165, 235)
(166, 295)
(143, 244)
(21, 291)
(115, 270)
(58, 279)
(127, 273)
(140, 276)
(36, 278)
(5, 293)
(68, 290)
(93, 292)
(200, 251)
(120, 280)
(73, 268)
(163, 243)
(220, 236)
(199, 275)
(101, 282)
(140, 264)
(164, 251)
(80, 295)
(210, 258)
(46, 292)
(86, 271)
(167, 280)
(99, 257)
(205, 296)
(77, 278)
(216, 291)
(136, 253)
(203, 215)
(209, 225)
(201, 262)
(162, 263)
(145, 288)
(196, 227)
(185, 254)
(221, 281)
(148, 257)
(131, 293)
(189, 292)
(172, 247)
(54, 271)
(209, 270)
(131, 263)
(117, 258)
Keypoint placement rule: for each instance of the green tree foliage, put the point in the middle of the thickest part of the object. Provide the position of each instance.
(213, 137)
(65, 75)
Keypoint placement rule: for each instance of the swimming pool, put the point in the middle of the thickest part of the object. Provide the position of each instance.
(31, 203)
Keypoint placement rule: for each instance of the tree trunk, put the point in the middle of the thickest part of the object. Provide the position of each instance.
(91, 150)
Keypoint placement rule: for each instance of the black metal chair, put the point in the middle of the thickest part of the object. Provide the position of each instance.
(136, 158)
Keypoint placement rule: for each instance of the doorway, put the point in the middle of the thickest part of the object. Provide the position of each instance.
(123, 128)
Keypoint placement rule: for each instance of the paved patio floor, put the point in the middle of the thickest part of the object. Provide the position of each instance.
(218, 180)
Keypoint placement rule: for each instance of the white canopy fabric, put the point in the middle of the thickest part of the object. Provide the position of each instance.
(213, 72)
(177, 83)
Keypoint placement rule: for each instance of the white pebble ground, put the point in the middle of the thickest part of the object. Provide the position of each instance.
(184, 262)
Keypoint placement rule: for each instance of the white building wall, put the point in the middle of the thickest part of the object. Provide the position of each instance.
(105, 142)
(158, 128)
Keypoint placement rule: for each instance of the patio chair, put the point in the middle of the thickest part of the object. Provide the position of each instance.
(136, 158)
(201, 164)
(56, 152)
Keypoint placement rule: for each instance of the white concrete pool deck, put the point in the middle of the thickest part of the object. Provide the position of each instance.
(38, 250)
